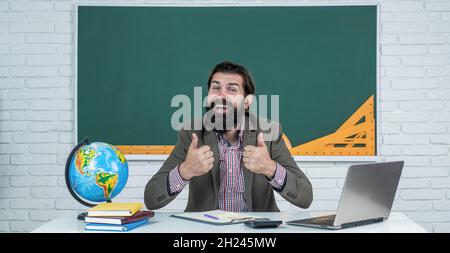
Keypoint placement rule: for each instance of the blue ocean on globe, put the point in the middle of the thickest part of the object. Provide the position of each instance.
(98, 172)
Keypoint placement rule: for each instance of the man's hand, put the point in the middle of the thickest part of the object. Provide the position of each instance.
(257, 159)
(198, 160)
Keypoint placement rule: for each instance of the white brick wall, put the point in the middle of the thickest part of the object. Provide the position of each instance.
(36, 113)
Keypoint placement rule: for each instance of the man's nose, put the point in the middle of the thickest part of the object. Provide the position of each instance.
(222, 94)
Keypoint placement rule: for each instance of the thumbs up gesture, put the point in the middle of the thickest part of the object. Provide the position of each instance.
(198, 160)
(257, 158)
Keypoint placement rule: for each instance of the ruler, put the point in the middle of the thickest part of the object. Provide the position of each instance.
(356, 137)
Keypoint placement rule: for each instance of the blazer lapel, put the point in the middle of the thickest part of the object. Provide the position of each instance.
(249, 139)
(211, 140)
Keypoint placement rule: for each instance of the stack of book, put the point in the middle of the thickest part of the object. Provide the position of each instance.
(116, 217)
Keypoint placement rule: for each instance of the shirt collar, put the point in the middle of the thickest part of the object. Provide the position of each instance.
(239, 141)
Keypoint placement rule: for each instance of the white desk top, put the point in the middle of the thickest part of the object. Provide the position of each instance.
(162, 223)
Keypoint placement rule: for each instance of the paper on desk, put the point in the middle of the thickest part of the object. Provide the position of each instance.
(223, 218)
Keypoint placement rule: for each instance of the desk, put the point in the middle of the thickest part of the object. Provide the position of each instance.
(162, 223)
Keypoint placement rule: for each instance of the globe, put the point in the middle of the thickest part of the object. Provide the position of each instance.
(97, 172)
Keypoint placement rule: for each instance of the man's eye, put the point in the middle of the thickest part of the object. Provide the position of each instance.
(216, 88)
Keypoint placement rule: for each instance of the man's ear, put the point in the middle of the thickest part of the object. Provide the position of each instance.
(248, 101)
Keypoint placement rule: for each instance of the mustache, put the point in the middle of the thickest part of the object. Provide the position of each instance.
(221, 102)
(223, 122)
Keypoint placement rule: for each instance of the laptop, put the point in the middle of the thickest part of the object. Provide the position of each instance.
(367, 197)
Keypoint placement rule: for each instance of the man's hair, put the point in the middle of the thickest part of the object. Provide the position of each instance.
(230, 67)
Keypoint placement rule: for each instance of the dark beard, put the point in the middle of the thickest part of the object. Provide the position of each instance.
(222, 124)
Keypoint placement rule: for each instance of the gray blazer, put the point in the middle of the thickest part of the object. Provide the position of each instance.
(203, 189)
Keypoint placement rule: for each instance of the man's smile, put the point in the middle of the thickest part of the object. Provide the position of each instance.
(220, 108)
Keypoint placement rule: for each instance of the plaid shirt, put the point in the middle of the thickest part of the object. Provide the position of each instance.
(231, 195)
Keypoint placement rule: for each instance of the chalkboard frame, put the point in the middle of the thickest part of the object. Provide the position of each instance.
(137, 157)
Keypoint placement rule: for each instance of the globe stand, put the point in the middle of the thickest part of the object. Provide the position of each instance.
(83, 215)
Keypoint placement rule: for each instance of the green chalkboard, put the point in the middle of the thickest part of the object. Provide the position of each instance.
(131, 61)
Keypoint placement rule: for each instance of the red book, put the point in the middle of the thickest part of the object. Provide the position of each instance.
(120, 220)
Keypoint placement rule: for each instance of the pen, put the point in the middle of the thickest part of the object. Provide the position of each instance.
(212, 217)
